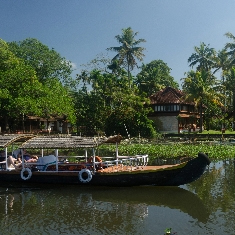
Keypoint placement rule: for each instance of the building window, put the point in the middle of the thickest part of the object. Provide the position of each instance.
(167, 108)
(184, 108)
(176, 107)
(156, 109)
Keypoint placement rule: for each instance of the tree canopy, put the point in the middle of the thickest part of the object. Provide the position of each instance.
(46, 62)
(106, 97)
(202, 57)
(154, 76)
(111, 105)
(23, 93)
(129, 50)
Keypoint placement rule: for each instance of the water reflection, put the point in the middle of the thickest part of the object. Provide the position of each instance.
(217, 190)
(76, 210)
(205, 206)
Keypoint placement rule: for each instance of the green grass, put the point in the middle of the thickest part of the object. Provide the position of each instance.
(217, 132)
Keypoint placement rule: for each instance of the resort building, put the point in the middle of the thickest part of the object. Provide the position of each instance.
(171, 114)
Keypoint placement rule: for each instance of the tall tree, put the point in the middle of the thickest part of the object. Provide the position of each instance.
(110, 104)
(231, 47)
(46, 62)
(154, 76)
(201, 90)
(222, 62)
(129, 50)
(198, 84)
(19, 87)
(23, 94)
(202, 57)
(230, 87)
(56, 101)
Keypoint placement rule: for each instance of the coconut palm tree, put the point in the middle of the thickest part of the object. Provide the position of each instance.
(230, 86)
(201, 90)
(222, 61)
(231, 47)
(202, 57)
(198, 85)
(230, 74)
(129, 50)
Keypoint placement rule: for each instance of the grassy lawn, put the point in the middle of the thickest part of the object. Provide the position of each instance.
(217, 132)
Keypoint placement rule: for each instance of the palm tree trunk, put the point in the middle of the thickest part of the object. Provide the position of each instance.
(234, 109)
(128, 71)
(201, 121)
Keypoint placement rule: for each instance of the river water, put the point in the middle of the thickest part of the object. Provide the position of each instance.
(203, 207)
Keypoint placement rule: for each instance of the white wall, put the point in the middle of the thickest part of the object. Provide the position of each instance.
(169, 123)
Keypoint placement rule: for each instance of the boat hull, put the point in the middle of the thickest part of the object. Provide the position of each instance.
(172, 176)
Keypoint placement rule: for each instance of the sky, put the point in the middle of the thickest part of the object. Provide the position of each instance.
(81, 30)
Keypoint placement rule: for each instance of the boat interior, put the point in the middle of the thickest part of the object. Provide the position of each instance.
(54, 162)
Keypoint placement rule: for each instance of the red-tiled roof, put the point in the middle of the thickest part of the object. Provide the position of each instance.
(167, 95)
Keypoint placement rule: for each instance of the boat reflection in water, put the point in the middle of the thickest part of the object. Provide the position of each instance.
(78, 210)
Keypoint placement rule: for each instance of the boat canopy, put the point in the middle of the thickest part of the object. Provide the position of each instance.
(8, 139)
(55, 141)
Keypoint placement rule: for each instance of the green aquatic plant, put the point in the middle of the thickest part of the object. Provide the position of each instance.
(174, 150)
(168, 231)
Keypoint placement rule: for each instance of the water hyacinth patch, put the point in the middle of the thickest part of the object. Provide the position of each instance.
(174, 150)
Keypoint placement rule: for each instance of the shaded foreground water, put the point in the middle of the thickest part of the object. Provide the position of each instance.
(203, 207)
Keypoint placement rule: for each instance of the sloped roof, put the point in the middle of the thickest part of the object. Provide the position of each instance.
(55, 141)
(58, 142)
(68, 142)
(168, 95)
(8, 139)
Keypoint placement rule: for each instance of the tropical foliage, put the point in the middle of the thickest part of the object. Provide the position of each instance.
(162, 151)
(46, 62)
(111, 105)
(153, 77)
(129, 50)
(23, 92)
(202, 86)
(106, 98)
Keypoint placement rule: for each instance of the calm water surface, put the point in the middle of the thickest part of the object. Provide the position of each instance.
(203, 207)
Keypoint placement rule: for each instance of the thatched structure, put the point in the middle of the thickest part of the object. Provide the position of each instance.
(55, 141)
(8, 139)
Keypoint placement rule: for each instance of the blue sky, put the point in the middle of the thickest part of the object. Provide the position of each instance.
(82, 29)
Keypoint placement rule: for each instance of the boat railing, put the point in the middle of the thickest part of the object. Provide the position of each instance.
(46, 167)
(137, 160)
(123, 163)
(130, 161)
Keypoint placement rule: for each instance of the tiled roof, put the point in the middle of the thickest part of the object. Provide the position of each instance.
(166, 96)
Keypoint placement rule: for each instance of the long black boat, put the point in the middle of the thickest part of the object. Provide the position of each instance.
(94, 170)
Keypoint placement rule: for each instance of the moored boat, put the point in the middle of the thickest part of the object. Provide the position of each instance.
(94, 170)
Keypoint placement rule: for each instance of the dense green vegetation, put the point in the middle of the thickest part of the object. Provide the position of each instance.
(106, 98)
(30, 85)
(215, 150)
